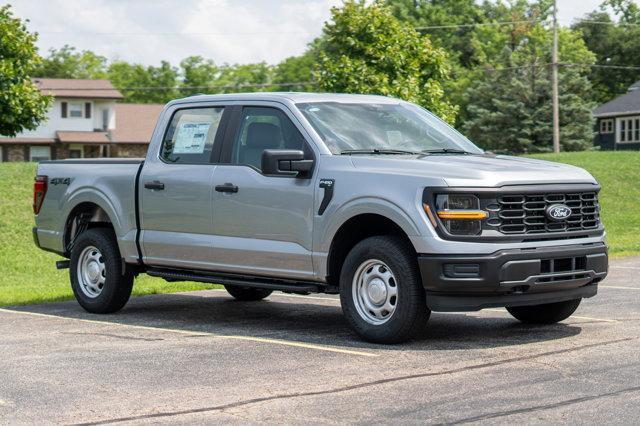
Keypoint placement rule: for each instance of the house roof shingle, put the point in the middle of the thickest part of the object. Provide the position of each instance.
(135, 122)
(26, 140)
(629, 103)
(82, 137)
(77, 88)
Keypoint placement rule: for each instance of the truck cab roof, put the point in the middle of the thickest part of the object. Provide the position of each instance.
(294, 97)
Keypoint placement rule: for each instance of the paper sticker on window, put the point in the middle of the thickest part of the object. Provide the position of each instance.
(191, 138)
(394, 137)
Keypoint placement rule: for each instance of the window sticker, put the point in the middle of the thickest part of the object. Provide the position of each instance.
(394, 137)
(191, 138)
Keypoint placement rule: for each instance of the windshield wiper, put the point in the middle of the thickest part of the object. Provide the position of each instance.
(377, 151)
(445, 151)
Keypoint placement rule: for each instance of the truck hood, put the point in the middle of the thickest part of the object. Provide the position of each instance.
(475, 170)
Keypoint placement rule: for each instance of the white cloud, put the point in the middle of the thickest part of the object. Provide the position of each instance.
(233, 31)
(148, 31)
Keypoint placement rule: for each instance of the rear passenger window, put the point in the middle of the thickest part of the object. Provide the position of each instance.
(191, 135)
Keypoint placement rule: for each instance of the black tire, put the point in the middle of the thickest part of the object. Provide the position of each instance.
(247, 294)
(411, 313)
(549, 313)
(116, 289)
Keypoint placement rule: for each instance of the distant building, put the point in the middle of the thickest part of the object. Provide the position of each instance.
(84, 121)
(618, 121)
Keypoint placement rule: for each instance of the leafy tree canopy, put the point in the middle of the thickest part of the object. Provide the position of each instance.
(66, 62)
(22, 106)
(149, 84)
(365, 49)
(510, 105)
(614, 42)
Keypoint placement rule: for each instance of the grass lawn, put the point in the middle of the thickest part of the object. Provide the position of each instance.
(28, 275)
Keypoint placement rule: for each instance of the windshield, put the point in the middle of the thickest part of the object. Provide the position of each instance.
(383, 128)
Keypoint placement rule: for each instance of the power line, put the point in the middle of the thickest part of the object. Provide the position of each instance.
(177, 33)
(211, 87)
(251, 33)
(313, 83)
(619, 67)
(624, 24)
(479, 24)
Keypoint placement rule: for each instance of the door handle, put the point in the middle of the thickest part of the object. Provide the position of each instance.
(227, 187)
(154, 185)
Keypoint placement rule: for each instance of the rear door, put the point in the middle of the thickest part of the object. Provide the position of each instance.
(263, 224)
(176, 189)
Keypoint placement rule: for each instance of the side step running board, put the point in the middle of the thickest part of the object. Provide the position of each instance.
(243, 281)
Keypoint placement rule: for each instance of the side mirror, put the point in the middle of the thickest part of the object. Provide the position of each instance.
(285, 162)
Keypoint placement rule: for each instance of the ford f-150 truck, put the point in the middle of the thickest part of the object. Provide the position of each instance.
(370, 197)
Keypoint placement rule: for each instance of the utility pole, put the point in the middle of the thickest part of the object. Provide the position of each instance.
(554, 81)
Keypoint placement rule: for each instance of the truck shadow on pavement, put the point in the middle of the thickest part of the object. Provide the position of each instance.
(311, 321)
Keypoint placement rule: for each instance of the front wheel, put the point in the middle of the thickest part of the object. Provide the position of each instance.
(381, 292)
(548, 313)
(98, 281)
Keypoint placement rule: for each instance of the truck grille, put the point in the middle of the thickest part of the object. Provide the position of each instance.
(525, 213)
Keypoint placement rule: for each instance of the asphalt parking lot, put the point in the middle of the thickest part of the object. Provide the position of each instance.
(202, 358)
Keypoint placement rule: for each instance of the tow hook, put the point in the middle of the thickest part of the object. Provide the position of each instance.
(62, 264)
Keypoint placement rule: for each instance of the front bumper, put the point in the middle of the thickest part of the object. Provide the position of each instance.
(515, 277)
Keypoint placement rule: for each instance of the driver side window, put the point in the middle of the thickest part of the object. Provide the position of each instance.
(264, 128)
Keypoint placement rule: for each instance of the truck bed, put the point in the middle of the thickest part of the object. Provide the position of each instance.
(108, 183)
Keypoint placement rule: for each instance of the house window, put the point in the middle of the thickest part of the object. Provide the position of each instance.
(39, 153)
(606, 125)
(629, 129)
(75, 109)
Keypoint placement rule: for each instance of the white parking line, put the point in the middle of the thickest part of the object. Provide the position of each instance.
(619, 287)
(572, 316)
(280, 342)
(625, 267)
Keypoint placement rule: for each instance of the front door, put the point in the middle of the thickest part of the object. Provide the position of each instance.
(176, 191)
(263, 224)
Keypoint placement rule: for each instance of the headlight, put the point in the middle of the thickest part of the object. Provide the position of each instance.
(460, 213)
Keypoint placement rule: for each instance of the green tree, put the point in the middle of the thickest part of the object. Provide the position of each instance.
(22, 106)
(198, 75)
(296, 69)
(510, 105)
(140, 84)
(245, 78)
(456, 19)
(365, 49)
(616, 43)
(66, 62)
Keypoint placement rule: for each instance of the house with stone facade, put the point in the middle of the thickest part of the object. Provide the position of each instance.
(85, 120)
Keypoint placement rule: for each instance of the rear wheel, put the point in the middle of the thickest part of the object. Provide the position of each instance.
(247, 294)
(548, 313)
(381, 292)
(97, 279)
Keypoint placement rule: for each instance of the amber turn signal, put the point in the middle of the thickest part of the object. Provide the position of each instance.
(432, 219)
(462, 214)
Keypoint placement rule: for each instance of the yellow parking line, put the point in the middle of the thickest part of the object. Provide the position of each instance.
(280, 342)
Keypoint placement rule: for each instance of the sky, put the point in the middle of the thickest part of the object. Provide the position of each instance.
(227, 31)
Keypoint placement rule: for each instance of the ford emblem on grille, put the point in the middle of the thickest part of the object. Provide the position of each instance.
(558, 212)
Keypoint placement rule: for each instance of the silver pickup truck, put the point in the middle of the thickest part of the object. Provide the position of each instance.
(370, 197)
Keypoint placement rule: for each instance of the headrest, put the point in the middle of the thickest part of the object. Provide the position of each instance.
(263, 136)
